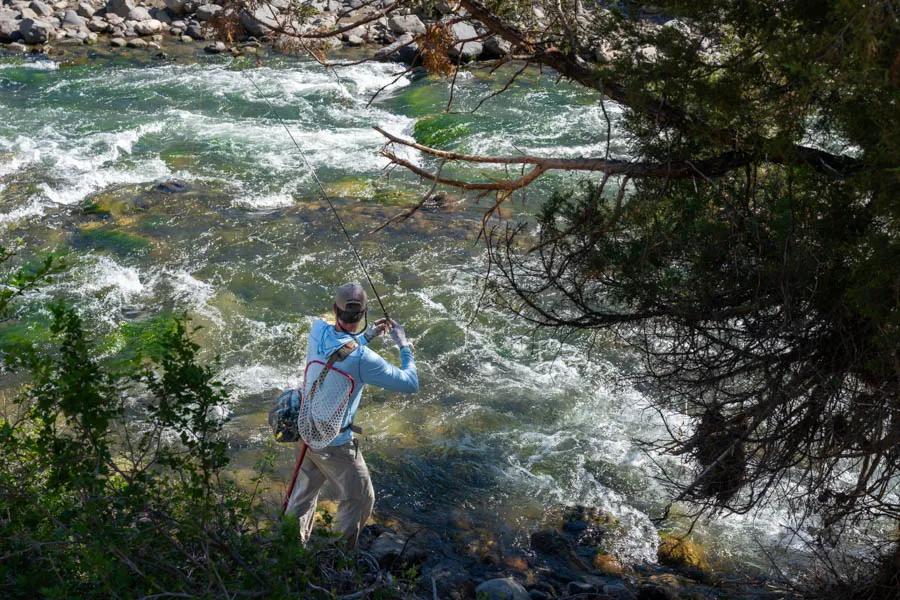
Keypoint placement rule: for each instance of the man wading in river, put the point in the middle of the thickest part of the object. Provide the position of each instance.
(341, 463)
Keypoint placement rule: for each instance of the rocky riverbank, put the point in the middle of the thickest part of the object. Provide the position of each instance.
(569, 558)
(37, 25)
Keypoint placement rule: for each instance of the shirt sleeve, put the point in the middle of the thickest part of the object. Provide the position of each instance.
(375, 370)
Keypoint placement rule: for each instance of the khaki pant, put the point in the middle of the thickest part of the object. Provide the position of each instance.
(346, 470)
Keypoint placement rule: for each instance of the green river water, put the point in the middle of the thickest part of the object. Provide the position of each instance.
(508, 424)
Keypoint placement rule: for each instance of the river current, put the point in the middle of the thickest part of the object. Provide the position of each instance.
(509, 421)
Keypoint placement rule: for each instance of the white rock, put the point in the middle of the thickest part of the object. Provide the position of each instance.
(466, 50)
(71, 20)
(9, 31)
(40, 9)
(207, 12)
(139, 13)
(117, 42)
(406, 24)
(99, 25)
(258, 23)
(136, 43)
(17, 47)
(148, 27)
(85, 9)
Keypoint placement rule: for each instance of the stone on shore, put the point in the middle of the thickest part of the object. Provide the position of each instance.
(34, 31)
(9, 31)
(148, 27)
(260, 22)
(463, 49)
(406, 24)
(207, 12)
(119, 8)
(117, 42)
(495, 47)
(71, 20)
(139, 13)
(85, 9)
(390, 548)
(17, 47)
(41, 9)
(99, 25)
(137, 43)
(179, 8)
(217, 48)
(505, 588)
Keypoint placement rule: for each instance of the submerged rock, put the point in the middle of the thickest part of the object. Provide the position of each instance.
(682, 553)
(171, 185)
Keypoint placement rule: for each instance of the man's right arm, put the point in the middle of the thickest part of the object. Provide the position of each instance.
(375, 370)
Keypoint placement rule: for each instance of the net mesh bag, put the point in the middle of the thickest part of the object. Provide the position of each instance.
(325, 402)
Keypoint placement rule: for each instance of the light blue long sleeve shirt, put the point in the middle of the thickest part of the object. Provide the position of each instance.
(364, 366)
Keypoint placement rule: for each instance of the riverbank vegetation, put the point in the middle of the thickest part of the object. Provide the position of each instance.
(114, 483)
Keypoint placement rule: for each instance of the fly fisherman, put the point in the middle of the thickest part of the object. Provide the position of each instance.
(341, 463)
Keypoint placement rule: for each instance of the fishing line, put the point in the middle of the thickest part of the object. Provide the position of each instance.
(322, 191)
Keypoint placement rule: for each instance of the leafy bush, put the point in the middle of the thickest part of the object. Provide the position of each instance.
(113, 482)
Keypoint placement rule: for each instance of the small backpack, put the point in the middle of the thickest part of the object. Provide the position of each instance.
(316, 412)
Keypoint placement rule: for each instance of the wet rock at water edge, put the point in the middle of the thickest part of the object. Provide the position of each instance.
(172, 185)
(580, 587)
(505, 588)
(118, 42)
(136, 43)
(217, 48)
(392, 549)
(34, 31)
(9, 31)
(656, 592)
(17, 47)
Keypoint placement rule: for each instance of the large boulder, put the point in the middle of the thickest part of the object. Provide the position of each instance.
(179, 8)
(120, 8)
(207, 12)
(392, 549)
(406, 24)
(85, 9)
(9, 31)
(139, 13)
(148, 27)
(404, 50)
(99, 25)
(260, 22)
(41, 9)
(71, 20)
(496, 47)
(463, 49)
(34, 31)
(505, 588)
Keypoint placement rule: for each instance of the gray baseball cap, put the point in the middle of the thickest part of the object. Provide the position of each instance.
(351, 297)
